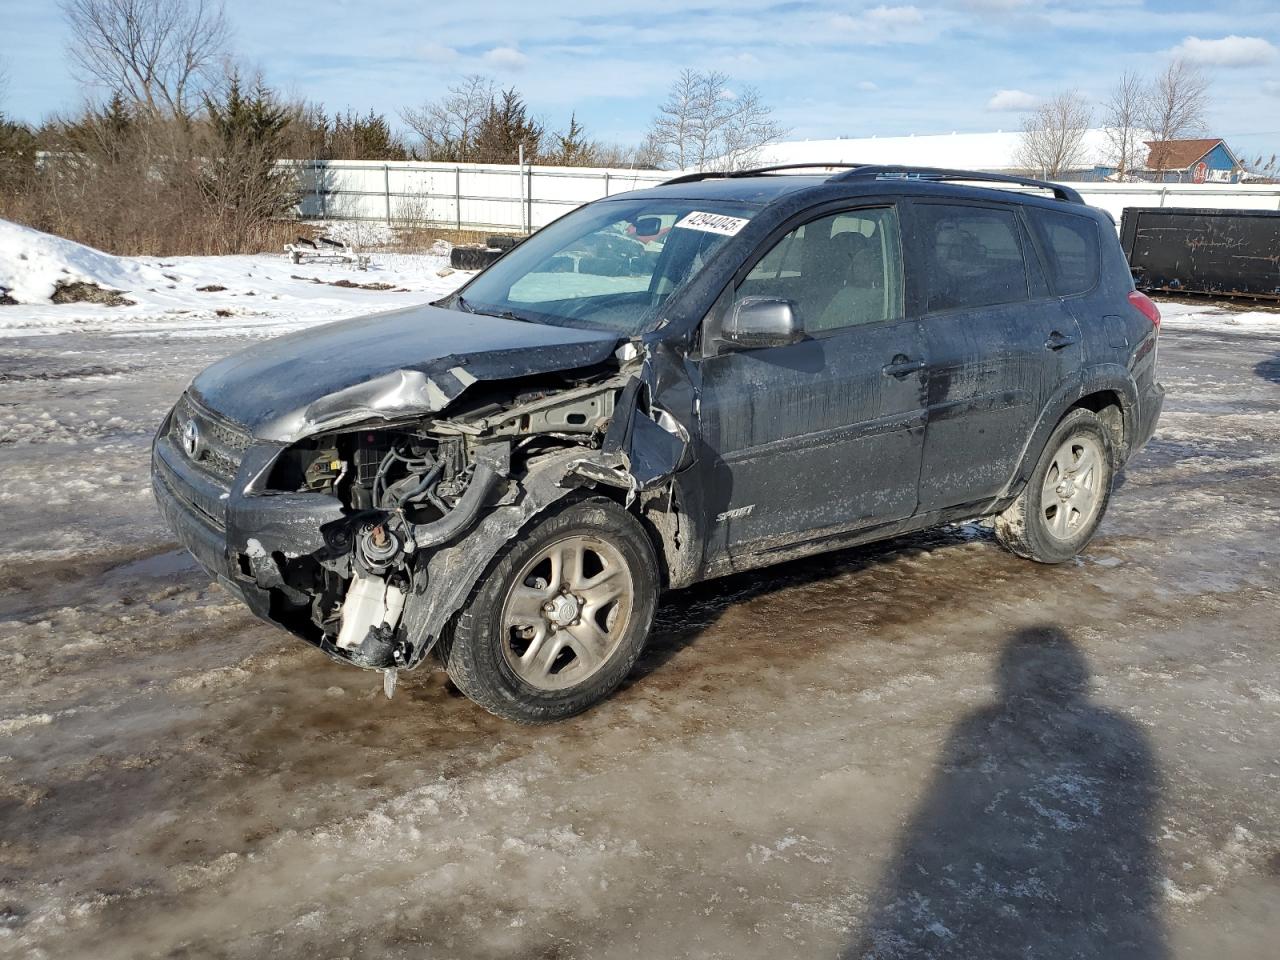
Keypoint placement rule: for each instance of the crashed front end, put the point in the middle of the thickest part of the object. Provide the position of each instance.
(365, 538)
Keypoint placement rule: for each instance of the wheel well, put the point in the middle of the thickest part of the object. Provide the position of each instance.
(1106, 404)
(651, 520)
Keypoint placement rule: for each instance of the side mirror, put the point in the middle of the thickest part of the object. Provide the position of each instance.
(756, 322)
(647, 226)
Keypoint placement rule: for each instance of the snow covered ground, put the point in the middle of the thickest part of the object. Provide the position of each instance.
(1212, 315)
(183, 297)
(921, 748)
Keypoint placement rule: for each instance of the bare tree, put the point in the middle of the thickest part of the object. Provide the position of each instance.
(1176, 106)
(749, 128)
(448, 126)
(161, 54)
(672, 131)
(1122, 120)
(1053, 136)
(703, 124)
(644, 156)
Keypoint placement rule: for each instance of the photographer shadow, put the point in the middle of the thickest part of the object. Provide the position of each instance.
(1035, 837)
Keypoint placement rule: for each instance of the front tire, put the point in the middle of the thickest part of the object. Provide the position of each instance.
(558, 620)
(1066, 496)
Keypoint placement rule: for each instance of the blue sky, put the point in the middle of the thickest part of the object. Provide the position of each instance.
(829, 69)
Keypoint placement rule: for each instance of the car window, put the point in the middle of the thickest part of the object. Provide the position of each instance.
(839, 271)
(609, 265)
(973, 256)
(1071, 243)
(1035, 268)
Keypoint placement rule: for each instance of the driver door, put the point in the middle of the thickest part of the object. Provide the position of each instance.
(815, 438)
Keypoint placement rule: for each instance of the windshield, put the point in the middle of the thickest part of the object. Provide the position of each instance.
(607, 266)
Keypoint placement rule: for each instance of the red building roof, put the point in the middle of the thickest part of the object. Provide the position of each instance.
(1177, 154)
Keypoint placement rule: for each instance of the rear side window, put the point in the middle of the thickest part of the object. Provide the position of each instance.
(973, 256)
(1071, 244)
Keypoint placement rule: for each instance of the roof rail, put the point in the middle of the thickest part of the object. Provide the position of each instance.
(753, 172)
(897, 172)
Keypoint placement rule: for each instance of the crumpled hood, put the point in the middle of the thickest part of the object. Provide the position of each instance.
(389, 365)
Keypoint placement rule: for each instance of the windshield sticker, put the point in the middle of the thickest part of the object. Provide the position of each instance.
(712, 223)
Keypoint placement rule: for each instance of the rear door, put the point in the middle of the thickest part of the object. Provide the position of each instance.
(1072, 253)
(823, 435)
(996, 341)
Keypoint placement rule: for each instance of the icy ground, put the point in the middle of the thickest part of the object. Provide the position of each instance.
(922, 748)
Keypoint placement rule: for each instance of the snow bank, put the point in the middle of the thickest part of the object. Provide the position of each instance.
(32, 264)
(259, 295)
(1218, 317)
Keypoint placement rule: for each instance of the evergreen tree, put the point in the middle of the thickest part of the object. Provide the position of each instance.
(17, 154)
(505, 128)
(113, 126)
(253, 119)
(309, 133)
(244, 183)
(573, 149)
(365, 138)
(116, 115)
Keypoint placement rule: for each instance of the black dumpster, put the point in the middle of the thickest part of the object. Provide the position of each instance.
(1224, 252)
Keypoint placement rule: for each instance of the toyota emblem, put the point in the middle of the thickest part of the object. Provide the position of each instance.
(191, 440)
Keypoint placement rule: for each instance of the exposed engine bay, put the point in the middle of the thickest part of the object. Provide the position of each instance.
(411, 489)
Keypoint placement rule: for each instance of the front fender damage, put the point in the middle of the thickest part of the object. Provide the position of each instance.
(639, 454)
(452, 571)
(394, 570)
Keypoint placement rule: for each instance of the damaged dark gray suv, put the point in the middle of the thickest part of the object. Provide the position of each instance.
(661, 387)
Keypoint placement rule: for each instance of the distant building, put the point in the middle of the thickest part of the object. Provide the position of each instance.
(1192, 161)
(989, 152)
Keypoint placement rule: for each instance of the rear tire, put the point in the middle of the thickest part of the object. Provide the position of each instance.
(559, 618)
(1066, 496)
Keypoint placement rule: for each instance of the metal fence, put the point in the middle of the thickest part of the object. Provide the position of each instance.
(1116, 197)
(464, 196)
(522, 198)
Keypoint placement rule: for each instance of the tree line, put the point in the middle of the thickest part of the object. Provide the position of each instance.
(704, 124)
(183, 155)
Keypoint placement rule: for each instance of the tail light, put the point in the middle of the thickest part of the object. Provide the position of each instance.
(1145, 306)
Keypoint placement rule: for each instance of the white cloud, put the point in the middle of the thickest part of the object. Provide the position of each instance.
(879, 23)
(1271, 88)
(1003, 5)
(1013, 101)
(1229, 51)
(508, 57)
(895, 16)
(868, 85)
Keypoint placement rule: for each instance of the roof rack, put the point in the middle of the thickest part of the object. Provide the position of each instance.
(898, 172)
(880, 171)
(753, 172)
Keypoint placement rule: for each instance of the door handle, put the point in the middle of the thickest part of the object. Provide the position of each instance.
(1057, 341)
(900, 366)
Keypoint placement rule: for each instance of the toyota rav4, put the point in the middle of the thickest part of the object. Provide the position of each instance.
(669, 385)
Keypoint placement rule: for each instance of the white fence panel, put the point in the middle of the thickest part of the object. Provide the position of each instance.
(1114, 197)
(464, 196)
